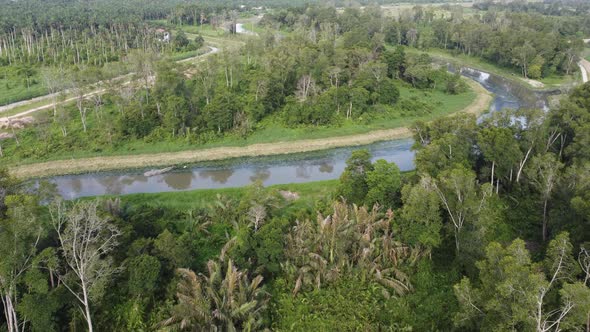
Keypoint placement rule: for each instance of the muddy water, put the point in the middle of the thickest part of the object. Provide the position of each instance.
(277, 170)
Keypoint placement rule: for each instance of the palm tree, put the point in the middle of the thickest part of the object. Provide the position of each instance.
(351, 240)
(225, 300)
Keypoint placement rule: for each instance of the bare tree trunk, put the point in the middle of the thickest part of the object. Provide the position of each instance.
(545, 220)
(86, 238)
(83, 117)
(86, 304)
(493, 166)
(10, 313)
(54, 107)
(522, 163)
(14, 133)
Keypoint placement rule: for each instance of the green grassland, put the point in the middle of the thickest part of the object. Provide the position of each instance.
(186, 200)
(309, 193)
(15, 88)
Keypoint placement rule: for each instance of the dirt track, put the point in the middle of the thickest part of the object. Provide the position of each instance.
(96, 164)
(48, 97)
(585, 68)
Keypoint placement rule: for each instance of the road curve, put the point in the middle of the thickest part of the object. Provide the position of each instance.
(6, 108)
(585, 69)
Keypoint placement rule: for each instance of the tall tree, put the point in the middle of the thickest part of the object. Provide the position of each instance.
(53, 78)
(544, 174)
(420, 218)
(86, 238)
(353, 181)
(20, 234)
(461, 197)
(384, 182)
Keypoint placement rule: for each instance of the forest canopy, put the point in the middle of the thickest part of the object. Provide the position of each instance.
(490, 231)
(477, 240)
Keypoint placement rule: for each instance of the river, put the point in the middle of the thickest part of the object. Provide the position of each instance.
(316, 166)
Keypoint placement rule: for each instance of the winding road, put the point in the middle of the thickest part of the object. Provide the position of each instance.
(98, 90)
(584, 66)
(584, 69)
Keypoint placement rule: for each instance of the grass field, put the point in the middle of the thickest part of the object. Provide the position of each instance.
(26, 107)
(13, 89)
(186, 200)
(204, 30)
(187, 55)
(398, 9)
(44, 101)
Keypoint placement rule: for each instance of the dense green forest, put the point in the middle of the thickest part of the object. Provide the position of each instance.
(540, 40)
(537, 44)
(326, 80)
(323, 68)
(493, 236)
(489, 232)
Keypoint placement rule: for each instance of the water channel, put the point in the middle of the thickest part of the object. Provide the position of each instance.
(317, 166)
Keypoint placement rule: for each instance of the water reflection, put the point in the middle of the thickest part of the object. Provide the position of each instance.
(179, 180)
(303, 171)
(326, 167)
(112, 184)
(501, 88)
(217, 175)
(321, 166)
(260, 174)
(288, 169)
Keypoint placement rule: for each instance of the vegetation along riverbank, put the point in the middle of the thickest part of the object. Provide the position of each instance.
(488, 230)
(95, 164)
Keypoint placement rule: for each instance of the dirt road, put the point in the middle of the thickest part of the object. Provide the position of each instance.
(6, 108)
(96, 164)
(585, 69)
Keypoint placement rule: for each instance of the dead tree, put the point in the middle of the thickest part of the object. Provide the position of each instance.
(86, 238)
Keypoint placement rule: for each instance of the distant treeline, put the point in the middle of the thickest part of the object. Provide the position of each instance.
(67, 32)
(548, 7)
(538, 45)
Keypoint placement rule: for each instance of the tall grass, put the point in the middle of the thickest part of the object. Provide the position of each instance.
(186, 200)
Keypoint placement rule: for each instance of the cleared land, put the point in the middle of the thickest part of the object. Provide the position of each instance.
(96, 164)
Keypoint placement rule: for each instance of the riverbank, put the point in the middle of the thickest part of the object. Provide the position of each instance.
(105, 163)
(548, 83)
(303, 195)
